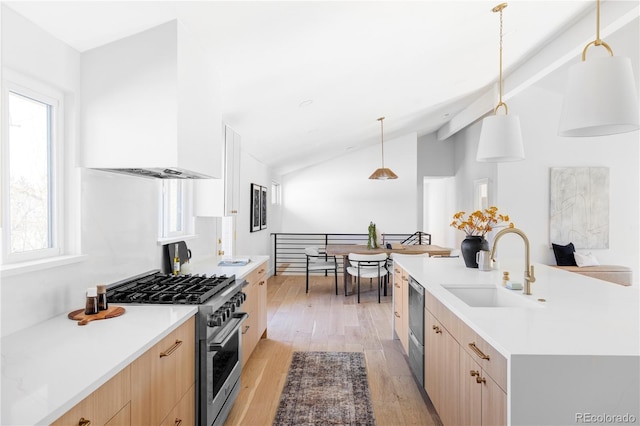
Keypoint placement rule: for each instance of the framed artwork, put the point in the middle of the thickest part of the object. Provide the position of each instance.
(579, 206)
(263, 207)
(256, 193)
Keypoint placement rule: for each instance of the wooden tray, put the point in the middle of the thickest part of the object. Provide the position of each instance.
(83, 319)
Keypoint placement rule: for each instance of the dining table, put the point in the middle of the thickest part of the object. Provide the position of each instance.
(344, 250)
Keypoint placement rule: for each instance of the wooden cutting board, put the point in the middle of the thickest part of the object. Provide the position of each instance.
(84, 319)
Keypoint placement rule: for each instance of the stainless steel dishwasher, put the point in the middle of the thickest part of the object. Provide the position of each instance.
(416, 329)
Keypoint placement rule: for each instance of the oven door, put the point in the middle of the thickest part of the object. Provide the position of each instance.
(223, 369)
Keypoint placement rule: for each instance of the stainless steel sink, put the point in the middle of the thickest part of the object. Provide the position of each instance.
(490, 296)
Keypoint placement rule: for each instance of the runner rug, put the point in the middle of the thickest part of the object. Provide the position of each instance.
(326, 388)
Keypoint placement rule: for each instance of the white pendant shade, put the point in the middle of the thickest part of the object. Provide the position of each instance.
(500, 139)
(601, 98)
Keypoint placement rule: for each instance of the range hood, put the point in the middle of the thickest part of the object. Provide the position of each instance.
(156, 173)
(150, 107)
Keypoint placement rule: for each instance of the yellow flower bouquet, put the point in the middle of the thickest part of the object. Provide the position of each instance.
(480, 222)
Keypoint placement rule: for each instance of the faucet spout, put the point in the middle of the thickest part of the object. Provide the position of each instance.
(529, 276)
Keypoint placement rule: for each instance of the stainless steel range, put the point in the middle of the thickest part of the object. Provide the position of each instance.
(218, 337)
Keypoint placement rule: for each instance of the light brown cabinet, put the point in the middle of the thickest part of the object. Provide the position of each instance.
(401, 305)
(157, 388)
(482, 402)
(465, 377)
(441, 367)
(184, 412)
(255, 326)
(109, 404)
(163, 375)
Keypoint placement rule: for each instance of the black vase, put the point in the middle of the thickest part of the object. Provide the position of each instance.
(471, 245)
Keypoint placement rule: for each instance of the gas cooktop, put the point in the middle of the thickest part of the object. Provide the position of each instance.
(159, 288)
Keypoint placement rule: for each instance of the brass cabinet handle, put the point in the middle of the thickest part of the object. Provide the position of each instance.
(260, 271)
(405, 279)
(246, 328)
(261, 282)
(397, 315)
(172, 349)
(477, 351)
(474, 373)
(396, 270)
(480, 380)
(437, 329)
(177, 422)
(84, 422)
(397, 285)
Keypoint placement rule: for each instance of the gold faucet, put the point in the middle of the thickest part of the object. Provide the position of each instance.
(529, 276)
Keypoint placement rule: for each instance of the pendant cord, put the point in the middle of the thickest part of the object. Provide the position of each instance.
(381, 119)
(500, 56)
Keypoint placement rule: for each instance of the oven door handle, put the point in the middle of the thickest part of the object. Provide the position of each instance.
(227, 333)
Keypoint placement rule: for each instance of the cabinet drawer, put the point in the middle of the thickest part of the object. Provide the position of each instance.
(495, 366)
(491, 361)
(103, 404)
(254, 276)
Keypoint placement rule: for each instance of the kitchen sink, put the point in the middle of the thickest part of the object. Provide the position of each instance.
(490, 296)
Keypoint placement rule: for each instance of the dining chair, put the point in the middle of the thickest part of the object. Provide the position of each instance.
(317, 261)
(368, 266)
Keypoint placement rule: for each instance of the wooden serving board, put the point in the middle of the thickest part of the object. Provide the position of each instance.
(84, 319)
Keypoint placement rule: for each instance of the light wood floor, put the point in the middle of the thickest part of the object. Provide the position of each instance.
(322, 321)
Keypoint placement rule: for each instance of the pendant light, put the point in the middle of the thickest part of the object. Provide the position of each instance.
(382, 173)
(500, 136)
(601, 97)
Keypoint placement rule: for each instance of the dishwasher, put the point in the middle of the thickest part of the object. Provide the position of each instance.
(416, 329)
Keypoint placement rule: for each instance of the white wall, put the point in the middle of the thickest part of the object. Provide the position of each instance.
(247, 242)
(115, 215)
(337, 197)
(521, 189)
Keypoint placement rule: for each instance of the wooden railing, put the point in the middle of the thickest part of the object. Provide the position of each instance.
(288, 248)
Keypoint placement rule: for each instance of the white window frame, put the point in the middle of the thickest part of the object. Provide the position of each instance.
(186, 223)
(276, 193)
(38, 91)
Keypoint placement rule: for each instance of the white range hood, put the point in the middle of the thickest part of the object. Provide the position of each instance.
(150, 106)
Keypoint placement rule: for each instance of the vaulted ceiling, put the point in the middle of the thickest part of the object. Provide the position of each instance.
(304, 81)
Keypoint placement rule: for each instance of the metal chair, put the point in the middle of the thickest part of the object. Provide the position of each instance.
(317, 261)
(369, 266)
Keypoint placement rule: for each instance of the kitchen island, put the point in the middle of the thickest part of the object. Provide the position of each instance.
(572, 348)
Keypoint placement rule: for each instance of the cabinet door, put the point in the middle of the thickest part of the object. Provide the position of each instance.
(431, 358)
(232, 172)
(155, 381)
(449, 378)
(183, 414)
(262, 302)
(470, 391)
(482, 402)
(441, 369)
(405, 310)
(398, 312)
(250, 326)
(102, 404)
(494, 403)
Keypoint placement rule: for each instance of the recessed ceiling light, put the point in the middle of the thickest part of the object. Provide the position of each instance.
(305, 103)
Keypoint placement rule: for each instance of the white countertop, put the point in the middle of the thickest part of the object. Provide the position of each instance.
(210, 266)
(581, 315)
(48, 368)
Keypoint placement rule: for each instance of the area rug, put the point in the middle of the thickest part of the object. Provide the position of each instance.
(326, 388)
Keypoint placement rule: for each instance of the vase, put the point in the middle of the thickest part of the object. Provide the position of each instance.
(471, 245)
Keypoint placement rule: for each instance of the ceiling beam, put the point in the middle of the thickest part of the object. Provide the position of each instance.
(564, 48)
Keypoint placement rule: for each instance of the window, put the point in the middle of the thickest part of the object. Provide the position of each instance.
(276, 193)
(31, 183)
(175, 214)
